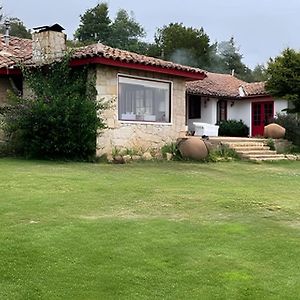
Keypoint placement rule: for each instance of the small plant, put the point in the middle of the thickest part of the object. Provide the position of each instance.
(115, 151)
(271, 144)
(171, 148)
(130, 151)
(233, 128)
(222, 153)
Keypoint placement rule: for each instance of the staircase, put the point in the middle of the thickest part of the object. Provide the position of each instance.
(250, 148)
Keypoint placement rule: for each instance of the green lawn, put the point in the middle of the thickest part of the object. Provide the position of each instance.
(168, 230)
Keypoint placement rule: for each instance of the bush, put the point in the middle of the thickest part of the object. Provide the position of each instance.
(292, 126)
(222, 153)
(233, 128)
(171, 148)
(60, 120)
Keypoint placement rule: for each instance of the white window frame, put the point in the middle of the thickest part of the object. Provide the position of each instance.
(171, 109)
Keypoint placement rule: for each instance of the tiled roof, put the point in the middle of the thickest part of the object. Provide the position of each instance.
(255, 88)
(100, 50)
(21, 50)
(17, 50)
(225, 85)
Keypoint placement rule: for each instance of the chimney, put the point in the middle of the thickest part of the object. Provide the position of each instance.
(7, 29)
(48, 44)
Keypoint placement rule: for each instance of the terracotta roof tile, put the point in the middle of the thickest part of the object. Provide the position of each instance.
(17, 50)
(21, 50)
(100, 50)
(225, 85)
(255, 88)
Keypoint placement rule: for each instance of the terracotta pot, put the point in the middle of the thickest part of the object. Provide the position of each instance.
(193, 148)
(274, 131)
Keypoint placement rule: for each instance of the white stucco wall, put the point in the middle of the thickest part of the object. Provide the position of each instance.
(240, 110)
(208, 113)
(236, 110)
(279, 105)
(137, 135)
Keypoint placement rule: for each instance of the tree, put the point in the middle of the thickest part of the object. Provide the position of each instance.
(185, 45)
(284, 78)
(125, 32)
(94, 25)
(259, 73)
(231, 60)
(17, 28)
(60, 120)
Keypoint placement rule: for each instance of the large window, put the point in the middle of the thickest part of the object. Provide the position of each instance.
(144, 100)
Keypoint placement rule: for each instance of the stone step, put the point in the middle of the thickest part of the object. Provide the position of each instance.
(265, 157)
(249, 147)
(244, 144)
(254, 149)
(236, 139)
(256, 152)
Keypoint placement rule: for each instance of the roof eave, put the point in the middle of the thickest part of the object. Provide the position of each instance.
(10, 71)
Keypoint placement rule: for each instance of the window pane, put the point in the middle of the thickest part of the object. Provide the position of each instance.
(144, 100)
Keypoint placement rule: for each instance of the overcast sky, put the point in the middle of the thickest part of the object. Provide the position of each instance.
(261, 28)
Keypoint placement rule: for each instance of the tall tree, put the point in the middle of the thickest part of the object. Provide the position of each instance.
(17, 28)
(231, 60)
(126, 32)
(185, 45)
(284, 78)
(94, 25)
(259, 73)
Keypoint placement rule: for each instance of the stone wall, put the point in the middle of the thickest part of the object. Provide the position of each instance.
(48, 46)
(135, 135)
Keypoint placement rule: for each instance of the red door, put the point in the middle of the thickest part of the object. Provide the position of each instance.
(262, 114)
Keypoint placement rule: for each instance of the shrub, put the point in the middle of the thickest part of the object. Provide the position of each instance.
(292, 126)
(233, 128)
(171, 148)
(60, 120)
(271, 144)
(222, 153)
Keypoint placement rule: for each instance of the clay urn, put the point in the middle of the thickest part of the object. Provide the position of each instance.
(193, 148)
(274, 131)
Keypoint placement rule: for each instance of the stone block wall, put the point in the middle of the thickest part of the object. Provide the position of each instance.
(136, 135)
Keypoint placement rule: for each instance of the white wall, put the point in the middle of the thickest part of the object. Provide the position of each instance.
(279, 105)
(208, 113)
(240, 110)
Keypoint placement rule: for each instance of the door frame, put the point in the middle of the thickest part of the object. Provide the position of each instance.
(263, 116)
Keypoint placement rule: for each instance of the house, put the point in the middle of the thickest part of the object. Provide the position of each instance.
(145, 96)
(222, 97)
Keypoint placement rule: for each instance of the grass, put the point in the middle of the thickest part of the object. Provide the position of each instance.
(172, 230)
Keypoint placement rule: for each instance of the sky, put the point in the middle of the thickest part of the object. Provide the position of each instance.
(261, 28)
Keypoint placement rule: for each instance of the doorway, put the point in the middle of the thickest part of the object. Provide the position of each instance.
(262, 114)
